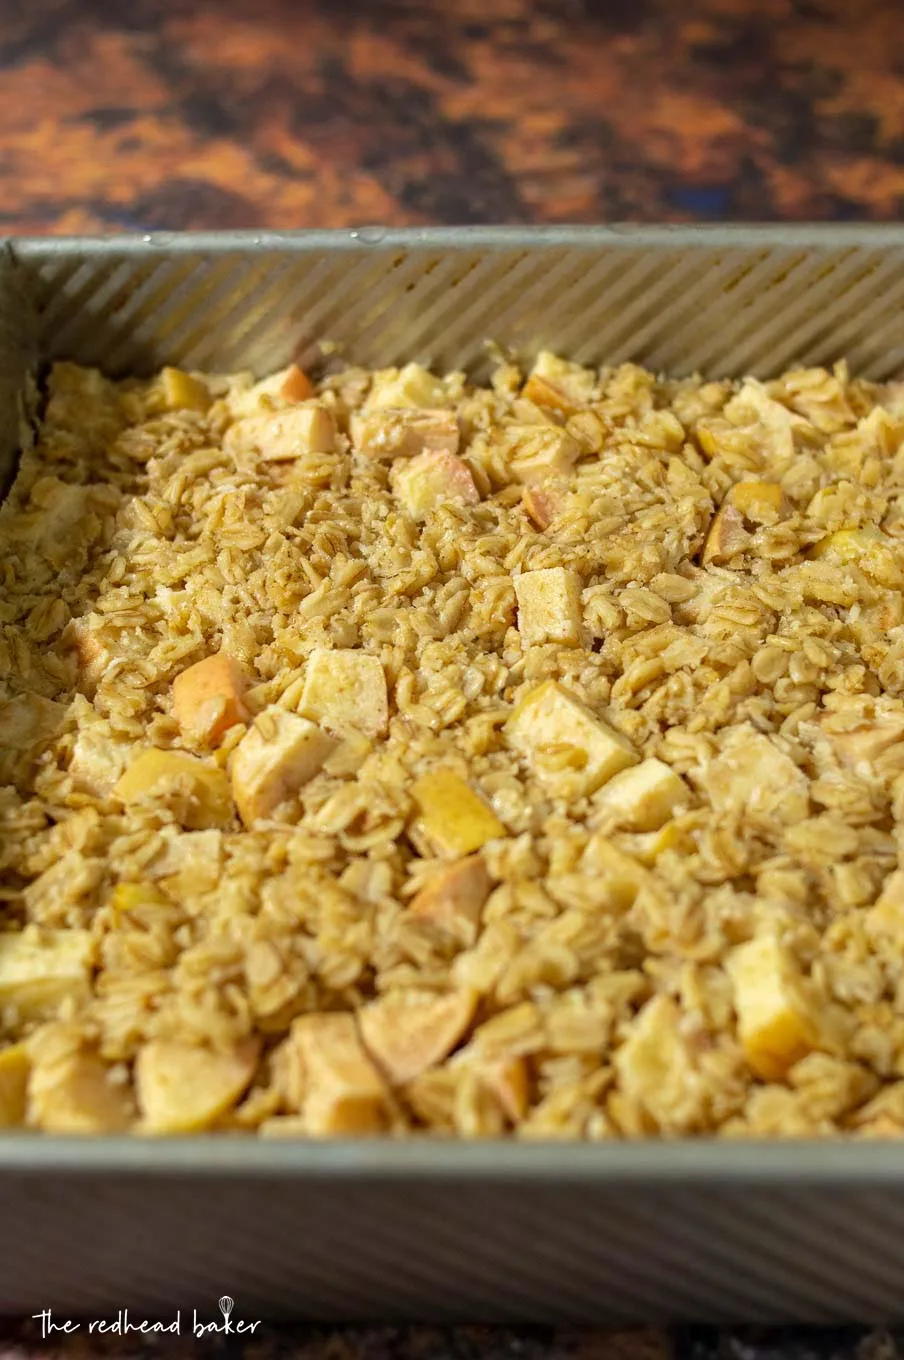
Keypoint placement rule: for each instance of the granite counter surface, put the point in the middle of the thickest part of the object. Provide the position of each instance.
(227, 113)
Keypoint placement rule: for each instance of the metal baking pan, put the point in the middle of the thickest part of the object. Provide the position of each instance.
(680, 1231)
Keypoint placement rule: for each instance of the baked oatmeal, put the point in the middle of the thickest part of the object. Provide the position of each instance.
(389, 754)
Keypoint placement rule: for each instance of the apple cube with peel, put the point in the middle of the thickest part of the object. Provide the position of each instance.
(332, 1078)
(36, 974)
(92, 653)
(542, 504)
(508, 1082)
(453, 899)
(430, 480)
(208, 698)
(760, 502)
(536, 453)
(284, 435)
(154, 773)
(874, 552)
(645, 796)
(278, 754)
(183, 392)
(455, 818)
(549, 606)
(185, 1087)
(407, 1031)
(726, 536)
(412, 386)
(399, 432)
(295, 385)
(557, 384)
(777, 1025)
(549, 716)
(345, 689)
(273, 393)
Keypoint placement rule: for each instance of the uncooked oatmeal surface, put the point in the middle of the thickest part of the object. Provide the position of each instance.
(391, 755)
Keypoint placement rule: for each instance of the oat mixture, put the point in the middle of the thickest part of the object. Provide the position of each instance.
(396, 755)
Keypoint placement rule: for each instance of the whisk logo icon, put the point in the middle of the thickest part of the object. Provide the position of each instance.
(227, 1326)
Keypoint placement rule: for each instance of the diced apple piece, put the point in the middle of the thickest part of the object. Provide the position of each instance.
(753, 776)
(653, 1064)
(453, 815)
(183, 392)
(403, 433)
(154, 773)
(279, 753)
(453, 899)
(543, 393)
(557, 384)
(345, 689)
(864, 744)
(549, 717)
(726, 537)
(78, 1094)
(263, 397)
(623, 877)
(92, 654)
(296, 385)
(644, 797)
(542, 504)
(37, 974)
(651, 844)
(775, 420)
(760, 502)
(848, 545)
(868, 548)
(29, 720)
(406, 1032)
(191, 860)
(411, 386)
(15, 1067)
(430, 480)
(549, 606)
(283, 435)
(98, 759)
(185, 1087)
(507, 1080)
(28, 724)
(709, 432)
(128, 897)
(886, 917)
(776, 1024)
(537, 453)
(208, 698)
(339, 1090)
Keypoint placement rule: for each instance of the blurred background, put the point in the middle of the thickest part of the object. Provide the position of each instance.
(174, 114)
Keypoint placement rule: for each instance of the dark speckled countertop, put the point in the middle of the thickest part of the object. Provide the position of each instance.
(134, 114)
(141, 114)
